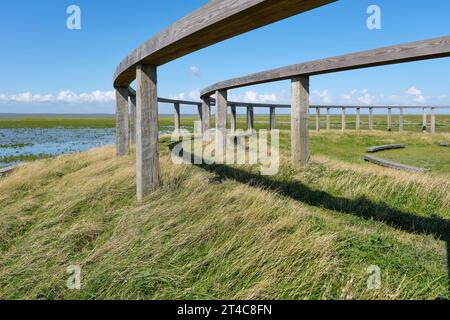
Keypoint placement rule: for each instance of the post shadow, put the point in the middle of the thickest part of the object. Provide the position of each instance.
(360, 207)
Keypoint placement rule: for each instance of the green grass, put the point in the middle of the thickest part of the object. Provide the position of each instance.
(225, 232)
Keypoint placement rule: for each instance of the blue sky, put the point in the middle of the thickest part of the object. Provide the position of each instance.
(46, 68)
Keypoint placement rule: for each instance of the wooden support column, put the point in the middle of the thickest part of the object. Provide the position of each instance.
(317, 119)
(358, 118)
(250, 120)
(200, 116)
(389, 120)
(328, 119)
(400, 121)
(299, 120)
(370, 118)
(206, 117)
(221, 125)
(344, 120)
(424, 119)
(273, 118)
(433, 120)
(147, 133)
(176, 117)
(122, 122)
(133, 120)
(233, 118)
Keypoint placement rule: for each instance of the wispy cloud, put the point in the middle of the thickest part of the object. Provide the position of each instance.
(66, 96)
(195, 71)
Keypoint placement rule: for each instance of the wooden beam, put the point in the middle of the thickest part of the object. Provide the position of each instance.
(221, 125)
(389, 120)
(122, 122)
(299, 121)
(233, 118)
(317, 119)
(206, 117)
(401, 121)
(358, 119)
(328, 119)
(370, 118)
(414, 51)
(433, 120)
(344, 120)
(273, 118)
(176, 117)
(212, 23)
(133, 120)
(147, 149)
(250, 119)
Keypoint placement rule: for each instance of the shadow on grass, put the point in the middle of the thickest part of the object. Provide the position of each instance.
(361, 207)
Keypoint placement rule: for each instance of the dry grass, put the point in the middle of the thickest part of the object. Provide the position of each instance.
(220, 232)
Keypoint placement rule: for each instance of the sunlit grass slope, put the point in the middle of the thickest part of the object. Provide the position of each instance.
(223, 231)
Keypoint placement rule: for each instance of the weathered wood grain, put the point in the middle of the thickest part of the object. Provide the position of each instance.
(216, 21)
(394, 165)
(122, 122)
(386, 147)
(300, 120)
(415, 51)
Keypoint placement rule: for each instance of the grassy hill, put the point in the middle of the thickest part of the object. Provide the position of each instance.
(227, 232)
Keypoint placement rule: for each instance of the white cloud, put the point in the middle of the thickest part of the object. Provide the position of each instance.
(66, 96)
(195, 71)
(321, 97)
(413, 91)
(252, 96)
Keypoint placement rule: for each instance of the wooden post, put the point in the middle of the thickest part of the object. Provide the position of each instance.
(147, 132)
(299, 120)
(358, 118)
(400, 121)
(250, 120)
(133, 120)
(389, 120)
(206, 117)
(176, 117)
(328, 119)
(122, 122)
(273, 120)
(433, 120)
(370, 118)
(424, 119)
(221, 125)
(317, 119)
(344, 120)
(233, 118)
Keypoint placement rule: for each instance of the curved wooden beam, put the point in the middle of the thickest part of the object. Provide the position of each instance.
(214, 22)
(387, 147)
(414, 51)
(393, 165)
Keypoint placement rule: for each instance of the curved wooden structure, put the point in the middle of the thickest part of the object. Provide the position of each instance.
(393, 165)
(387, 147)
(408, 52)
(219, 20)
(444, 144)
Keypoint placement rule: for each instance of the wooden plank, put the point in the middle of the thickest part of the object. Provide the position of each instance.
(212, 23)
(371, 118)
(394, 165)
(176, 117)
(147, 135)
(233, 118)
(299, 121)
(424, 119)
(433, 120)
(444, 144)
(414, 51)
(389, 120)
(221, 125)
(250, 119)
(386, 147)
(133, 120)
(206, 117)
(122, 122)
(273, 118)
(317, 119)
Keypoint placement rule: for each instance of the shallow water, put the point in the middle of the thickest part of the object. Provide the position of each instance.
(51, 141)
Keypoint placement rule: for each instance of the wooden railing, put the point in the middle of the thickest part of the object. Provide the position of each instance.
(216, 21)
